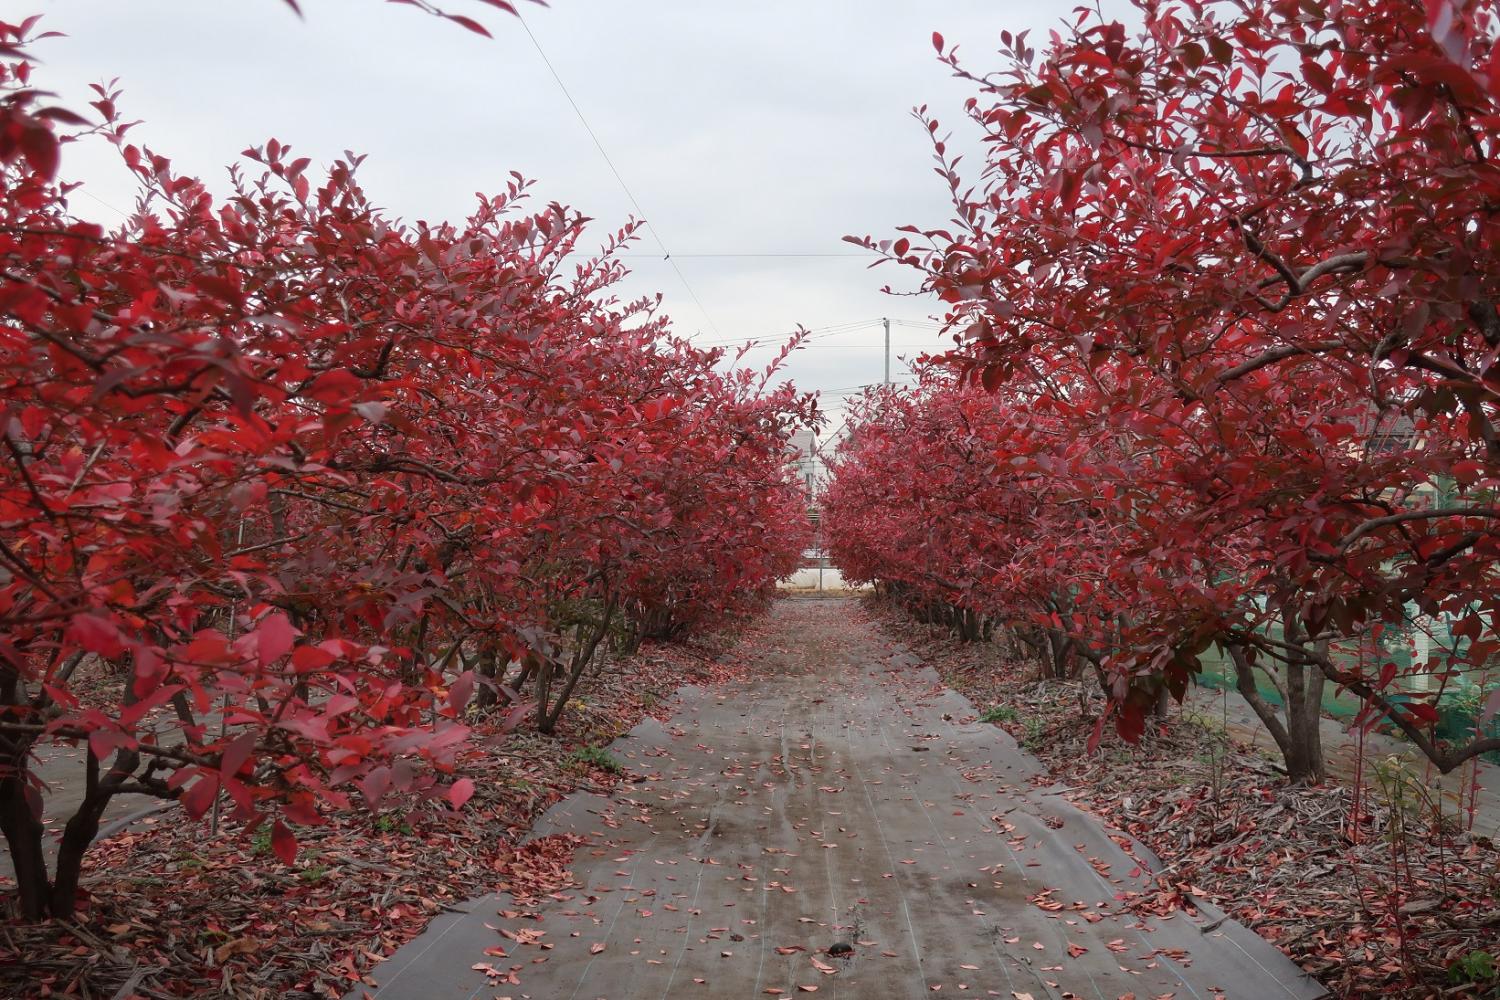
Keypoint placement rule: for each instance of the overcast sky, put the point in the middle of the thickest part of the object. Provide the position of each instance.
(742, 129)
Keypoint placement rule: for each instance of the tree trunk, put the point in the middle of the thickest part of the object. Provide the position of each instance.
(1033, 645)
(583, 654)
(662, 625)
(634, 629)
(486, 695)
(544, 672)
(20, 813)
(1299, 738)
(1058, 653)
(413, 673)
(23, 835)
(528, 667)
(81, 830)
(1304, 703)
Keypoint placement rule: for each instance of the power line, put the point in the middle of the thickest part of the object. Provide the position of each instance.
(819, 334)
(853, 324)
(877, 347)
(793, 254)
(854, 389)
(640, 212)
(819, 341)
(89, 194)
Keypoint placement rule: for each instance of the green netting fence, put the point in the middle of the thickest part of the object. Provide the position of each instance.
(1458, 709)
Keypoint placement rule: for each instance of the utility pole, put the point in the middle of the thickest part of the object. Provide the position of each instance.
(822, 556)
(887, 323)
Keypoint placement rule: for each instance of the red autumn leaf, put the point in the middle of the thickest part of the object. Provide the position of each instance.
(237, 755)
(460, 792)
(200, 795)
(283, 843)
(469, 23)
(305, 658)
(274, 637)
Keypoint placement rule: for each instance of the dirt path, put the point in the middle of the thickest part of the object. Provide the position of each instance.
(842, 797)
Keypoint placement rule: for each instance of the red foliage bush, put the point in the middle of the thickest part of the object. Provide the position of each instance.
(1230, 286)
(308, 478)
